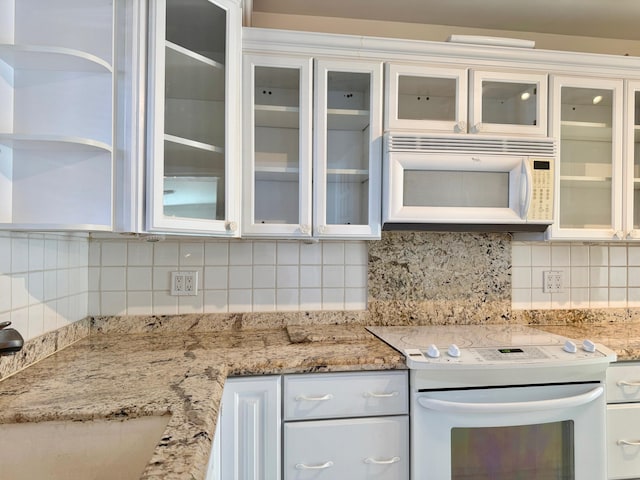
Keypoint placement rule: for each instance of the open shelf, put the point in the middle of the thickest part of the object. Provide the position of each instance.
(275, 174)
(52, 143)
(347, 175)
(184, 157)
(36, 57)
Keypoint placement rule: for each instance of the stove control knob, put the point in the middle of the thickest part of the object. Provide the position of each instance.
(433, 352)
(588, 346)
(453, 351)
(570, 347)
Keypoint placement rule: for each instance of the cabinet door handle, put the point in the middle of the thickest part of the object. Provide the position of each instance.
(626, 383)
(302, 466)
(628, 442)
(328, 396)
(382, 462)
(380, 395)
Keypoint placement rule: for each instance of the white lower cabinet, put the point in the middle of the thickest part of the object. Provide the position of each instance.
(347, 449)
(247, 442)
(623, 421)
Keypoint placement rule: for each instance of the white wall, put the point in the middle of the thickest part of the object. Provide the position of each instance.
(132, 277)
(43, 280)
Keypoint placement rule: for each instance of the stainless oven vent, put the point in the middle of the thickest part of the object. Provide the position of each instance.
(468, 143)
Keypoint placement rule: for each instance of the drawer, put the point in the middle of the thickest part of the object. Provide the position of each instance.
(354, 449)
(354, 394)
(623, 382)
(623, 423)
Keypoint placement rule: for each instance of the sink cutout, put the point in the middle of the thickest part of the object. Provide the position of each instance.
(91, 450)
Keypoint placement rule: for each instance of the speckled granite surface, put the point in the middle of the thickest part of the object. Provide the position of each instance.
(119, 376)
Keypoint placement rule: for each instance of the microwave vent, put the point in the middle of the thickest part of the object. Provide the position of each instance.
(403, 142)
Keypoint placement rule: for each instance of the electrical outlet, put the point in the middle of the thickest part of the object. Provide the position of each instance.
(551, 281)
(184, 283)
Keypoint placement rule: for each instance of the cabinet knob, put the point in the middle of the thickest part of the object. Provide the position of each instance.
(231, 226)
(618, 235)
(321, 229)
(477, 128)
(306, 229)
(461, 127)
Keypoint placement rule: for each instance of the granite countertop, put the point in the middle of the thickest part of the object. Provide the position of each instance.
(130, 375)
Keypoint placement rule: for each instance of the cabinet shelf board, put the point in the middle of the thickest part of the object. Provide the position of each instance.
(276, 174)
(347, 119)
(185, 157)
(190, 75)
(585, 182)
(277, 116)
(347, 175)
(36, 57)
(52, 143)
(585, 131)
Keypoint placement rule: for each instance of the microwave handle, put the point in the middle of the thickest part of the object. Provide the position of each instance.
(511, 407)
(526, 179)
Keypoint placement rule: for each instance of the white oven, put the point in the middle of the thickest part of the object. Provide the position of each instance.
(503, 403)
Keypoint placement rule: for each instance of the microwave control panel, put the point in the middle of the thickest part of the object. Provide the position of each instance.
(541, 206)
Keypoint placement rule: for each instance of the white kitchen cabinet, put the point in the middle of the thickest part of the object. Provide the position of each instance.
(290, 190)
(277, 146)
(246, 445)
(348, 449)
(193, 116)
(346, 426)
(57, 114)
(631, 173)
(459, 100)
(587, 118)
(623, 421)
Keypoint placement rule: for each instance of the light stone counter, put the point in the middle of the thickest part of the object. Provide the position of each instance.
(116, 376)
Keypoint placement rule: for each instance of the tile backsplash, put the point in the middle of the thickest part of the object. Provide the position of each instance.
(43, 280)
(132, 277)
(598, 275)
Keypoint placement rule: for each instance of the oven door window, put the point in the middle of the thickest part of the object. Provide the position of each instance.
(523, 452)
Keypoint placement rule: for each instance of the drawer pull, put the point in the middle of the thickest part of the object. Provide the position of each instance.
(625, 383)
(382, 462)
(302, 466)
(328, 396)
(380, 395)
(627, 442)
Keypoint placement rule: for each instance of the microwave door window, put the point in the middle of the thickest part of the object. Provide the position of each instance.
(522, 452)
(437, 188)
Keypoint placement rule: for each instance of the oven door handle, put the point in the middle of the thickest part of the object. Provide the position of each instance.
(511, 407)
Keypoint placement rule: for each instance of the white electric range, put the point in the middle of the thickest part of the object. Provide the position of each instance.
(497, 402)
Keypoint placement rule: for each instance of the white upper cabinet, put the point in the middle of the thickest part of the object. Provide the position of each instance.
(631, 204)
(193, 117)
(347, 149)
(587, 119)
(56, 114)
(458, 100)
(277, 146)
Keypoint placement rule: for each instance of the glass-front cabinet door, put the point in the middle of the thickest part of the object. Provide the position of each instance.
(193, 139)
(587, 120)
(632, 161)
(347, 149)
(425, 98)
(277, 146)
(507, 102)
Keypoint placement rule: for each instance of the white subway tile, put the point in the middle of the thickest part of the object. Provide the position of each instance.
(560, 256)
(355, 276)
(240, 300)
(311, 299)
(215, 301)
(537, 277)
(333, 253)
(311, 253)
(579, 255)
(633, 297)
(598, 297)
(521, 255)
(240, 276)
(191, 254)
(140, 254)
(166, 254)
(164, 304)
(287, 276)
(95, 253)
(598, 255)
(94, 303)
(333, 276)
(617, 297)
(579, 277)
(561, 300)
(633, 254)
(139, 279)
(541, 255)
(216, 278)
(310, 276)
(264, 253)
(36, 254)
(356, 253)
(264, 276)
(139, 303)
(20, 321)
(19, 291)
(332, 298)
(112, 279)
(521, 277)
(288, 253)
(241, 253)
(540, 300)
(287, 299)
(113, 303)
(521, 298)
(5, 293)
(5, 255)
(36, 287)
(36, 320)
(190, 304)
(19, 255)
(618, 276)
(50, 317)
(216, 253)
(161, 278)
(114, 254)
(633, 275)
(598, 277)
(618, 255)
(264, 300)
(355, 298)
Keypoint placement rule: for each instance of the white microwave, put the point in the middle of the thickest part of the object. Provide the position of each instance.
(438, 190)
